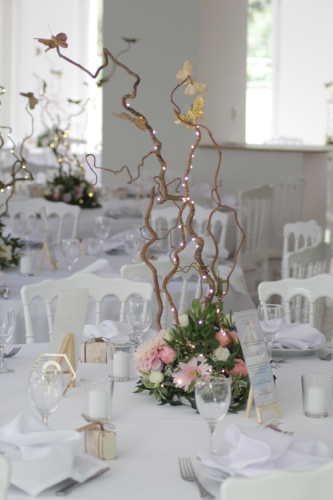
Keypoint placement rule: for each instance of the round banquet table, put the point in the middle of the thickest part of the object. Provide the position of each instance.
(235, 300)
(150, 438)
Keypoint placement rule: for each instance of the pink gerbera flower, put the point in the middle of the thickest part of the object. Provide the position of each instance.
(193, 369)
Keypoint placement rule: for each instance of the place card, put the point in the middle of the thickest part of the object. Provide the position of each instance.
(257, 361)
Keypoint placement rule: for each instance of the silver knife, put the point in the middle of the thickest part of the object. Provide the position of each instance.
(73, 484)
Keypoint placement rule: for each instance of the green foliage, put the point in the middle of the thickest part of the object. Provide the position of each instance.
(8, 249)
(73, 189)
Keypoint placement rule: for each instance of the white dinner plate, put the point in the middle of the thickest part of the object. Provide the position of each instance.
(295, 352)
(216, 474)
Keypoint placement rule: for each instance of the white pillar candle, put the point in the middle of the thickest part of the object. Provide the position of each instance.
(316, 401)
(26, 264)
(121, 365)
(98, 404)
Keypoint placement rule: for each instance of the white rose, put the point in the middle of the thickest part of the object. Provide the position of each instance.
(221, 353)
(156, 377)
(168, 335)
(5, 252)
(183, 320)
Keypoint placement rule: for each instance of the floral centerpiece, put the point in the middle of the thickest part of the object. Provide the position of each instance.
(172, 361)
(8, 249)
(72, 188)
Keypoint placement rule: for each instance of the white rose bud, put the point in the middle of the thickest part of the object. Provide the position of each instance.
(221, 353)
(168, 335)
(156, 377)
(183, 320)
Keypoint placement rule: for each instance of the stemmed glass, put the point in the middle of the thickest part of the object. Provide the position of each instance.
(132, 244)
(26, 223)
(139, 316)
(212, 397)
(7, 322)
(45, 389)
(102, 227)
(71, 251)
(271, 319)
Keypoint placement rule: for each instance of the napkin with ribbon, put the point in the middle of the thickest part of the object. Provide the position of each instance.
(101, 267)
(254, 452)
(298, 336)
(40, 457)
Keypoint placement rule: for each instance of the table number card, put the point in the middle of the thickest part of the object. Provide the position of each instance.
(257, 360)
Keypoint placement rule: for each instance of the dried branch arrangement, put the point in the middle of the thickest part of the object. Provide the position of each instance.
(18, 171)
(181, 197)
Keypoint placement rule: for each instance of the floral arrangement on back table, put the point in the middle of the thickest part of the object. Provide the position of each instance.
(203, 342)
(8, 249)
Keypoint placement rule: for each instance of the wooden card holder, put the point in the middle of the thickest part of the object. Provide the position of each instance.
(68, 349)
(46, 251)
(260, 409)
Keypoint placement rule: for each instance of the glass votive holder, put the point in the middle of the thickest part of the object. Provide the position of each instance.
(317, 394)
(97, 399)
(120, 360)
(27, 259)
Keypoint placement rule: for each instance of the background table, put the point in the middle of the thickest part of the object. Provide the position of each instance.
(150, 438)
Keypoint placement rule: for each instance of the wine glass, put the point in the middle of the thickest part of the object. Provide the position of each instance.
(7, 322)
(139, 316)
(102, 227)
(212, 397)
(71, 251)
(45, 389)
(132, 244)
(271, 319)
(26, 223)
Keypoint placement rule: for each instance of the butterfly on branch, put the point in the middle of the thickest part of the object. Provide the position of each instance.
(130, 40)
(192, 87)
(55, 41)
(195, 113)
(139, 121)
(32, 99)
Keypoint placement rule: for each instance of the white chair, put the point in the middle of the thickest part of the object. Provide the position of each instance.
(163, 220)
(313, 290)
(282, 485)
(299, 235)
(163, 268)
(5, 470)
(254, 215)
(99, 288)
(287, 208)
(60, 209)
(308, 261)
(219, 226)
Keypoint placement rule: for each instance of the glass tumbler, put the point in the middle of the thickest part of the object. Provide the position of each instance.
(120, 360)
(97, 399)
(317, 394)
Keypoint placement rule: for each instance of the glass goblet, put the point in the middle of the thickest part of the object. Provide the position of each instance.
(212, 397)
(26, 223)
(139, 316)
(71, 251)
(7, 323)
(102, 228)
(271, 320)
(132, 244)
(45, 389)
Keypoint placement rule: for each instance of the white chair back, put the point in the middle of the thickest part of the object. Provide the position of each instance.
(60, 209)
(299, 235)
(313, 290)
(308, 261)
(287, 208)
(163, 268)
(219, 225)
(283, 484)
(99, 288)
(5, 470)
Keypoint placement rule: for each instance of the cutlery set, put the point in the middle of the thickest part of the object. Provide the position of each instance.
(12, 352)
(188, 474)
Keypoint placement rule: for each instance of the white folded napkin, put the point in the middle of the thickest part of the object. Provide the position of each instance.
(298, 336)
(254, 452)
(115, 330)
(93, 245)
(208, 249)
(41, 457)
(229, 200)
(237, 280)
(101, 267)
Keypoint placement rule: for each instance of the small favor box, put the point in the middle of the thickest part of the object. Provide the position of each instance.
(93, 351)
(100, 442)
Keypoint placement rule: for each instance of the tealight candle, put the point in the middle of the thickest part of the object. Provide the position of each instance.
(121, 365)
(316, 402)
(98, 404)
(317, 394)
(119, 359)
(27, 263)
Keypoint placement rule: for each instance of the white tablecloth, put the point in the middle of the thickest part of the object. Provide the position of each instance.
(150, 438)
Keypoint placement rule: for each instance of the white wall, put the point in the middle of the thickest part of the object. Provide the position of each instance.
(304, 63)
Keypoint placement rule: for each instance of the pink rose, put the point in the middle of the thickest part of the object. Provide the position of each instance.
(240, 367)
(56, 196)
(223, 337)
(167, 355)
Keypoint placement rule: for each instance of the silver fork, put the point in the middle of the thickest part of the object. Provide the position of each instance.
(324, 355)
(188, 474)
(12, 352)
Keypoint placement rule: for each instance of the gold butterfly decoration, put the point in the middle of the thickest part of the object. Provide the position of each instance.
(130, 40)
(139, 121)
(191, 87)
(55, 41)
(32, 99)
(195, 113)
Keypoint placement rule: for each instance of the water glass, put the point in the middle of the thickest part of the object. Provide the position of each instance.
(271, 320)
(139, 316)
(25, 223)
(317, 394)
(133, 244)
(7, 324)
(97, 399)
(45, 389)
(102, 228)
(71, 251)
(212, 398)
(120, 360)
